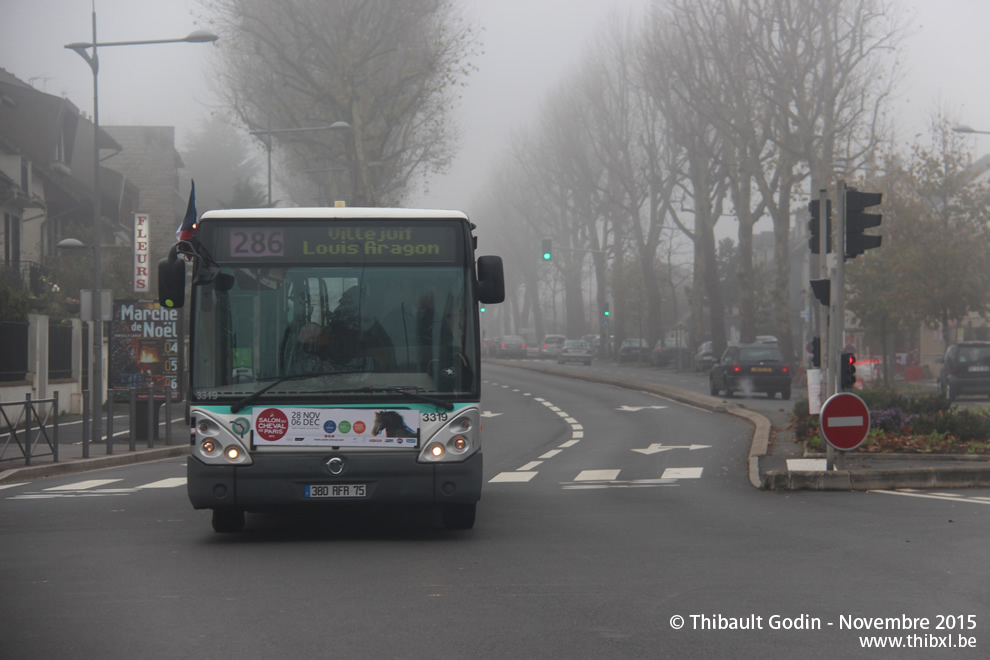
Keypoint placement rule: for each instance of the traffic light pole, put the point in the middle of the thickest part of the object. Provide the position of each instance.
(837, 334)
(823, 311)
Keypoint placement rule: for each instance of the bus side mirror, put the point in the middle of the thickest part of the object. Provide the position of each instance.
(491, 284)
(172, 280)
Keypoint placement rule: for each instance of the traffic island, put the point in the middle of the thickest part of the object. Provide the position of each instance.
(878, 479)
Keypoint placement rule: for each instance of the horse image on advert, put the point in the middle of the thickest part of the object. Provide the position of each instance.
(392, 423)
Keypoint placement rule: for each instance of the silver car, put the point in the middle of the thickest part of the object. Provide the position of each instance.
(552, 345)
(575, 350)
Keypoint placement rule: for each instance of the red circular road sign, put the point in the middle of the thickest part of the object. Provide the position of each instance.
(844, 421)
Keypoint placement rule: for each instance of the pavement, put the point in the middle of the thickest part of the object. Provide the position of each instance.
(71, 459)
(775, 461)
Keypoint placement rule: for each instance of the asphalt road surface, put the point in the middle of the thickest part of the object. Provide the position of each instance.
(614, 524)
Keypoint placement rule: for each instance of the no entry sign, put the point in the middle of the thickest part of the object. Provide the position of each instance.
(844, 421)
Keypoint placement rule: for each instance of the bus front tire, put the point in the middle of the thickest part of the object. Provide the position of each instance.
(458, 516)
(228, 520)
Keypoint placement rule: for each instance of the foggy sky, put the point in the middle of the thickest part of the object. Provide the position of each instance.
(528, 46)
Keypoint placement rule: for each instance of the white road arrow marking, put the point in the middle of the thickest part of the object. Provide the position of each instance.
(638, 408)
(657, 447)
(489, 413)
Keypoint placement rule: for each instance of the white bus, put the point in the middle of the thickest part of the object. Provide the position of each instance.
(334, 358)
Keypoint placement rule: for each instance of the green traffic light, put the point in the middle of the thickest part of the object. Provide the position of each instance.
(546, 256)
(482, 310)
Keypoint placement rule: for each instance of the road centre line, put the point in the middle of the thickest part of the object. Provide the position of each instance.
(682, 473)
(944, 498)
(526, 472)
(508, 477)
(166, 483)
(83, 485)
(597, 475)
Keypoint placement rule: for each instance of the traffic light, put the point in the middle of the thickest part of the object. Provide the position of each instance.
(605, 311)
(822, 290)
(816, 352)
(547, 249)
(847, 371)
(482, 310)
(814, 241)
(856, 221)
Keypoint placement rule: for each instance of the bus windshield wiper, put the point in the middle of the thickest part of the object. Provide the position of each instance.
(410, 391)
(254, 396)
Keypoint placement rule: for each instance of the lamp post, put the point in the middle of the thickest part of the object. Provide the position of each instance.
(272, 131)
(968, 129)
(92, 59)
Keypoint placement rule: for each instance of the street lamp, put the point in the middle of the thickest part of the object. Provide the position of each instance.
(268, 143)
(968, 129)
(92, 59)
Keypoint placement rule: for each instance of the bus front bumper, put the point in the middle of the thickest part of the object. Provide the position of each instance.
(275, 481)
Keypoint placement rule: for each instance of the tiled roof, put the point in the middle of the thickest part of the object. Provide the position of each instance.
(30, 121)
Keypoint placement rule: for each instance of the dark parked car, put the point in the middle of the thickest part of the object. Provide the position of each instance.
(510, 346)
(575, 350)
(751, 368)
(633, 350)
(657, 357)
(965, 369)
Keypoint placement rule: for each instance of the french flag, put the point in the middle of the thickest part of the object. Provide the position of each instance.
(185, 230)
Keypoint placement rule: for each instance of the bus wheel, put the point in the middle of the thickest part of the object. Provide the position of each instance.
(458, 516)
(228, 520)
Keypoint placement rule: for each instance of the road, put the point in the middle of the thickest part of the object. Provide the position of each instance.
(611, 518)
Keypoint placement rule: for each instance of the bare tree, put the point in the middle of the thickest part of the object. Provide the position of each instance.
(628, 135)
(671, 73)
(388, 68)
(788, 85)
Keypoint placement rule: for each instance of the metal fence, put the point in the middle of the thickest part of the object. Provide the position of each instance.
(33, 423)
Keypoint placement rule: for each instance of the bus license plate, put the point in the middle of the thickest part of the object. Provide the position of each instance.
(340, 490)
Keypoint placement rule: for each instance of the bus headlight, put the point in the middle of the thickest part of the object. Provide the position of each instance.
(215, 444)
(455, 441)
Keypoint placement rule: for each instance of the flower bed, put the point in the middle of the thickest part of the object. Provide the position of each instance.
(900, 423)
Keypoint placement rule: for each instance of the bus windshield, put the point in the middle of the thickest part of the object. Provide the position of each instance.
(312, 333)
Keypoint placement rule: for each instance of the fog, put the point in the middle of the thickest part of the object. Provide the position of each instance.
(528, 46)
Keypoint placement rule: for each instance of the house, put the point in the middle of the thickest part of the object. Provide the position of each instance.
(46, 176)
(47, 155)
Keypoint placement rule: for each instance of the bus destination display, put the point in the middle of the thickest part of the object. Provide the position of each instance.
(337, 243)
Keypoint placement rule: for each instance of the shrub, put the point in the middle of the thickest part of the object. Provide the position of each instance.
(904, 422)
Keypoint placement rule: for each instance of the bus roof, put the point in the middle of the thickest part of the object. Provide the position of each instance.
(332, 212)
